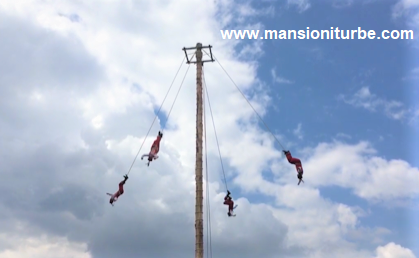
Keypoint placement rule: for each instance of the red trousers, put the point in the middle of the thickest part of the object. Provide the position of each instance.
(295, 161)
(120, 190)
(156, 146)
(230, 203)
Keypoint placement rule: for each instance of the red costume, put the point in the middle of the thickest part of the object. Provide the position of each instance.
(297, 164)
(228, 201)
(156, 145)
(115, 196)
(154, 149)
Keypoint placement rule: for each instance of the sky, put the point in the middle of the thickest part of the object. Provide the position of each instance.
(81, 83)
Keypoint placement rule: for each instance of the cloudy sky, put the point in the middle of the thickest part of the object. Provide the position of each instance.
(80, 86)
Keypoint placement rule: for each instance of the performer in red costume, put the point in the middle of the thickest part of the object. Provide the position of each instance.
(297, 164)
(154, 149)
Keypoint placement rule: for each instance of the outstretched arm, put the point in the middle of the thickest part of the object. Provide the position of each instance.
(109, 194)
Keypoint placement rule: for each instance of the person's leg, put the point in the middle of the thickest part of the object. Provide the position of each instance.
(291, 159)
(154, 150)
(121, 187)
(299, 168)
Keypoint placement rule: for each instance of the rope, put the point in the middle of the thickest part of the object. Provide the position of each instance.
(209, 238)
(215, 131)
(180, 87)
(136, 156)
(248, 102)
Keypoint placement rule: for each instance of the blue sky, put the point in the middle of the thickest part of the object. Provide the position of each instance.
(80, 84)
(322, 70)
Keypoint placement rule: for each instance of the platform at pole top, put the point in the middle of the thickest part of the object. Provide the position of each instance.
(198, 47)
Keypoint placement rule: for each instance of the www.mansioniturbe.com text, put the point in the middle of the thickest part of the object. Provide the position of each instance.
(333, 33)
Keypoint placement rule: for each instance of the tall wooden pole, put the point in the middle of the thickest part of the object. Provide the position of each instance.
(199, 224)
(199, 227)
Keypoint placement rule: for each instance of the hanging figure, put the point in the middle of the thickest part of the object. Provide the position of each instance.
(115, 196)
(297, 164)
(154, 149)
(228, 201)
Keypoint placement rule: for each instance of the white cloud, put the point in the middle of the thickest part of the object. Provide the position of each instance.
(354, 167)
(365, 99)
(404, 6)
(413, 74)
(279, 79)
(393, 250)
(317, 53)
(111, 68)
(41, 247)
(343, 135)
(298, 131)
(302, 5)
(408, 9)
(305, 209)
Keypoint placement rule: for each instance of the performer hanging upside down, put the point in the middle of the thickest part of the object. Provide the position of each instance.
(154, 149)
(115, 196)
(228, 201)
(297, 164)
